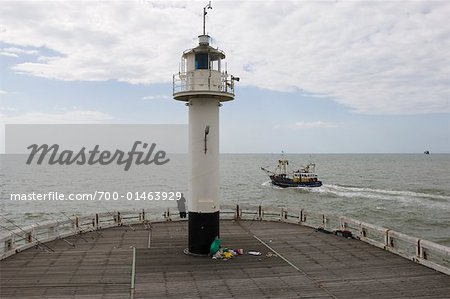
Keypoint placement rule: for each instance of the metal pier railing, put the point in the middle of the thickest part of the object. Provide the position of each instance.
(421, 251)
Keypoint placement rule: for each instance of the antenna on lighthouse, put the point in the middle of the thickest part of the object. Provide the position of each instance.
(204, 16)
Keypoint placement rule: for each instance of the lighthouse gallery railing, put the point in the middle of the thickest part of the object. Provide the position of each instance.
(211, 80)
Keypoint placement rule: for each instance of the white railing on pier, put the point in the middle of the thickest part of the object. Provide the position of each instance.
(424, 252)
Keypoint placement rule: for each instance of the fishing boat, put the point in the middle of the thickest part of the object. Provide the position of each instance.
(303, 177)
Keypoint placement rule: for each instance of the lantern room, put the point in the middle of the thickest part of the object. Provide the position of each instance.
(201, 73)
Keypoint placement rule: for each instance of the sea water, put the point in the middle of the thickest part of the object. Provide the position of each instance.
(409, 193)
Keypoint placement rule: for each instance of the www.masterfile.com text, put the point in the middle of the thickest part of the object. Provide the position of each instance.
(96, 195)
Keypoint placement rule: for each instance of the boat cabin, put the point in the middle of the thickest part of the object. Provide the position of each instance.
(304, 177)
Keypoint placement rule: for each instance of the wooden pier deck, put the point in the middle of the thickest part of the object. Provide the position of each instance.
(310, 264)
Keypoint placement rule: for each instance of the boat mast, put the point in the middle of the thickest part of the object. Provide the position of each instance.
(283, 163)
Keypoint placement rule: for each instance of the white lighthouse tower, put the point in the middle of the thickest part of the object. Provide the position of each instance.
(203, 85)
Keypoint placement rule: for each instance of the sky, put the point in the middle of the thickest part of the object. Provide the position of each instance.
(316, 76)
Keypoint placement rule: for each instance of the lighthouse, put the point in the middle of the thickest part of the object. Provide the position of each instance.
(203, 85)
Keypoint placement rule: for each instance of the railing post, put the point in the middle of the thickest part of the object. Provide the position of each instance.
(423, 253)
(96, 221)
(342, 223)
(119, 219)
(283, 215)
(259, 212)
(8, 245)
(13, 238)
(142, 216)
(388, 241)
(386, 238)
(418, 249)
(300, 219)
(33, 233)
(28, 238)
(77, 224)
(166, 215)
(237, 213)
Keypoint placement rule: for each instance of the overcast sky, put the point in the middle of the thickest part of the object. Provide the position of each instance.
(316, 76)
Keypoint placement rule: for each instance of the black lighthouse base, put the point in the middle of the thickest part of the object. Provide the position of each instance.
(203, 229)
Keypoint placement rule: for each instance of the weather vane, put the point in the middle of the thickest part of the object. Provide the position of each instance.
(204, 16)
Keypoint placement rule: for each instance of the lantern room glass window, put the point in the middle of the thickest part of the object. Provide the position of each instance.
(201, 61)
(215, 65)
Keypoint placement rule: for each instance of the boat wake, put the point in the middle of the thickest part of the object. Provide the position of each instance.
(269, 184)
(369, 193)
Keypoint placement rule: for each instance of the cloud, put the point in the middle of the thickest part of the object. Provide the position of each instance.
(12, 51)
(374, 57)
(8, 54)
(7, 109)
(2, 92)
(70, 117)
(309, 125)
(128, 41)
(157, 97)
